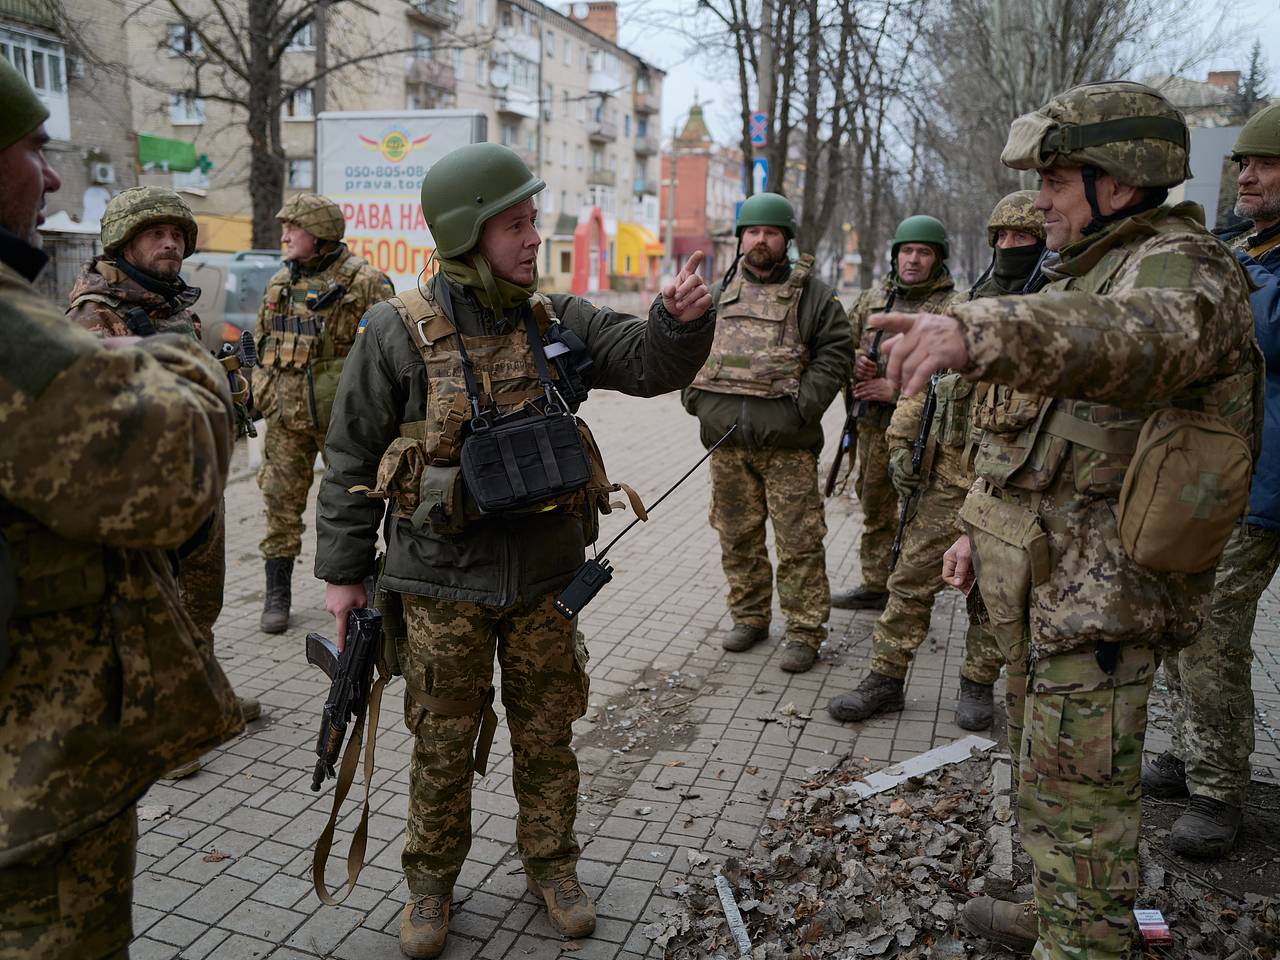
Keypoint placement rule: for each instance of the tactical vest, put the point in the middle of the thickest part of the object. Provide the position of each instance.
(297, 334)
(757, 350)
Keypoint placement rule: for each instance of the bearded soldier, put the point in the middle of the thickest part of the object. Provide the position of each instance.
(1113, 464)
(306, 327)
(918, 280)
(1210, 690)
(443, 383)
(781, 353)
(1016, 234)
(114, 454)
(136, 289)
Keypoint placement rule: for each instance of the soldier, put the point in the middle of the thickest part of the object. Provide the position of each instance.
(1016, 234)
(430, 370)
(1210, 691)
(918, 281)
(104, 680)
(1105, 496)
(781, 353)
(306, 327)
(136, 289)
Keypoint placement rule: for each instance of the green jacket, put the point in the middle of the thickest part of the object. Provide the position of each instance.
(498, 561)
(785, 422)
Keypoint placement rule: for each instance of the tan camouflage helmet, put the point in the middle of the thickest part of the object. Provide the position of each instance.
(131, 211)
(319, 216)
(1125, 129)
(1017, 211)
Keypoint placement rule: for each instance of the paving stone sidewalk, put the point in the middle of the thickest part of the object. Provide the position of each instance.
(684, 747)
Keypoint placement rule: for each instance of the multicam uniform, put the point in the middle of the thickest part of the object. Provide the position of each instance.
(780, 355)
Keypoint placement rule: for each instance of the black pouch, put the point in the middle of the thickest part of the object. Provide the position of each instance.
(519, 464)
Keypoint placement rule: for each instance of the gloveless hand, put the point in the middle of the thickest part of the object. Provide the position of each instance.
(924, 344)
(687, 297)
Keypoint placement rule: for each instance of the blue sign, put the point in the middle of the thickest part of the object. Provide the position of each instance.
(758, 129)
(759, 175)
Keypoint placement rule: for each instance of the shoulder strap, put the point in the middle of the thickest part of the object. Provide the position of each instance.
(800, 272)
(423, 319)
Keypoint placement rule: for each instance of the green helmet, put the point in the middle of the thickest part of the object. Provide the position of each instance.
(1125, 129)
(1260, 137)
(1017, 211)
(23, 110)
(319, 216)
(468, 186)
(767, 210)
(132, 210)
(920, 229)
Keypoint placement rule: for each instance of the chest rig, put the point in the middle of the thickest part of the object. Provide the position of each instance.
(297, 331)
(757, 350)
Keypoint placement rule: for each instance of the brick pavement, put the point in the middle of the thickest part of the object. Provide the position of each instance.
(697, 771)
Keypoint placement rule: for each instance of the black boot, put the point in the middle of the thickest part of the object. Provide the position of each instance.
(1207, 830)
(743, 637)
(973, 711)
(1164, 777)
(875, 695)
(275, 607)
(860, 598)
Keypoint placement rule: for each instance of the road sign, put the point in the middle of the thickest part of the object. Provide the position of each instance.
(758, 129)
(759, 175)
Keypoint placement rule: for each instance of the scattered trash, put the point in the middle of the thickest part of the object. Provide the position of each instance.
(216, 856)
(733, 917)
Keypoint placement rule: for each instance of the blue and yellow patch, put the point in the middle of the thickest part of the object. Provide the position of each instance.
(364, 322)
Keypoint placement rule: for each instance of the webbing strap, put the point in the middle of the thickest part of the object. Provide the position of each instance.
(548, 455)
(1071, 137)
(346, 775)
(513, 470)
(466, 708)
(1092, 435)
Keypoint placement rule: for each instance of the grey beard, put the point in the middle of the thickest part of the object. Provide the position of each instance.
(1268, 210)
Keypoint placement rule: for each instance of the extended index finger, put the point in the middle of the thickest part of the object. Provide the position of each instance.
(691, 265)
(891, 322)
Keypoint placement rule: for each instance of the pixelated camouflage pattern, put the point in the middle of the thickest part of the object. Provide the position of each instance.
(1139, 162)
(202, 576)
(319, 216)
(1016, 211)
(1210, 681)
(103, 294)
(1260, 137)
(285, 478)
(449, 654)
(74, 901)
(948, 434)
(132, 210)
(748, 487)
(110, 683)
(1079, 796)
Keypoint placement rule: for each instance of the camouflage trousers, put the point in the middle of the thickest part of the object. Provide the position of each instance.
(202, 576)
(1079, 800)
(748, 487)
(288, 468)
(449, 654)
(913, 585)
(75, 902)
(879, 507)
(1210, 691)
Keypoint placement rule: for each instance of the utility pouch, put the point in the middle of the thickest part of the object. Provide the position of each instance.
(517, 464)
(1186, 487)
(323, 376)
(394, 635)
(440, 500)
(1011, 554)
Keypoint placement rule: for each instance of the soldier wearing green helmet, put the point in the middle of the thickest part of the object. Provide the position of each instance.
(781, 353)
(475, 345)
(918, 280)
(306, 326)
(1093, 544)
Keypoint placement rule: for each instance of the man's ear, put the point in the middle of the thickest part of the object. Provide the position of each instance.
(1123, 195)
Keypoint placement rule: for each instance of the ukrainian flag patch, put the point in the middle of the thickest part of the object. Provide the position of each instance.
(364, 322)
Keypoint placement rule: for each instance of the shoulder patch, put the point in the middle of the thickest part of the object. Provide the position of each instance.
(364, 322)
(35, 351)
(1165, 270)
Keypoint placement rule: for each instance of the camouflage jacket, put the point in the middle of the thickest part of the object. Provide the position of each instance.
(498, 560)
(309, 313)
(933, 296)
(1149, 312)
(108, 682)
(104, 294)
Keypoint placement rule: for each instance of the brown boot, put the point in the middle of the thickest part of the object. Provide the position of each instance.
(743, 637)
(568, 906)
(797, 657)
(424, 925)
(250, 708)
(1012, 925)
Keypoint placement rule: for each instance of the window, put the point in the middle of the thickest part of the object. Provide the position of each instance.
(482, 12)
(508, 134)
(43, 63)
(642, 83)
(547, 202)
(597, 160)
(626, 124)
(579, 156)
(422, 45)
(181, 40)
(567, 49)
(185, 109)
(302, 174)
(564, 154)
(564, 103)
(530, 143)
(563, 197)
(304, 39)
(299, 105)
(549, 43)
(482, 68)
(642, 126)
(566, 260)
(456, 57)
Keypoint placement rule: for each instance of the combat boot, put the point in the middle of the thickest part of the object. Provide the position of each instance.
(279, 595)
(973, 712)
(797, 657)
(1011, 925)
(860, 598)
(875, 695)
(743, 637)
(1164, 777)
(1207, 830)
(424, 925)
(250, 708)
(569, 907)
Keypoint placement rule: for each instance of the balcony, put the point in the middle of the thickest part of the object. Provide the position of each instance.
(603, 83)
(521, 44)
(643, 185)
(602, 131)
(513, 103)
(433, 73)
(601, 178)
(647, 102)
(437, 13)
(646, 146)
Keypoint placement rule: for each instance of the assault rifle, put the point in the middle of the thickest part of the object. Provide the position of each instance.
(234, 357)
(855, 410)
(917, 461)
(351, 673)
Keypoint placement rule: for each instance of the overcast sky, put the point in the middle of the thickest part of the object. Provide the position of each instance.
(644, 27)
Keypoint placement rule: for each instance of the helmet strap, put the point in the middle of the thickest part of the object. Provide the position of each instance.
(733, 267)
(1089, 174)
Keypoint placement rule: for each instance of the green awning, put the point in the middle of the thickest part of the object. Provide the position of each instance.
(163, 154)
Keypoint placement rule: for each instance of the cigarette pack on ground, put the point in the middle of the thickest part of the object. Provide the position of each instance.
(1153, 929)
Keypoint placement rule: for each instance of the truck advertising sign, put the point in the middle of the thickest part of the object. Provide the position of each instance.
(372, 164)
